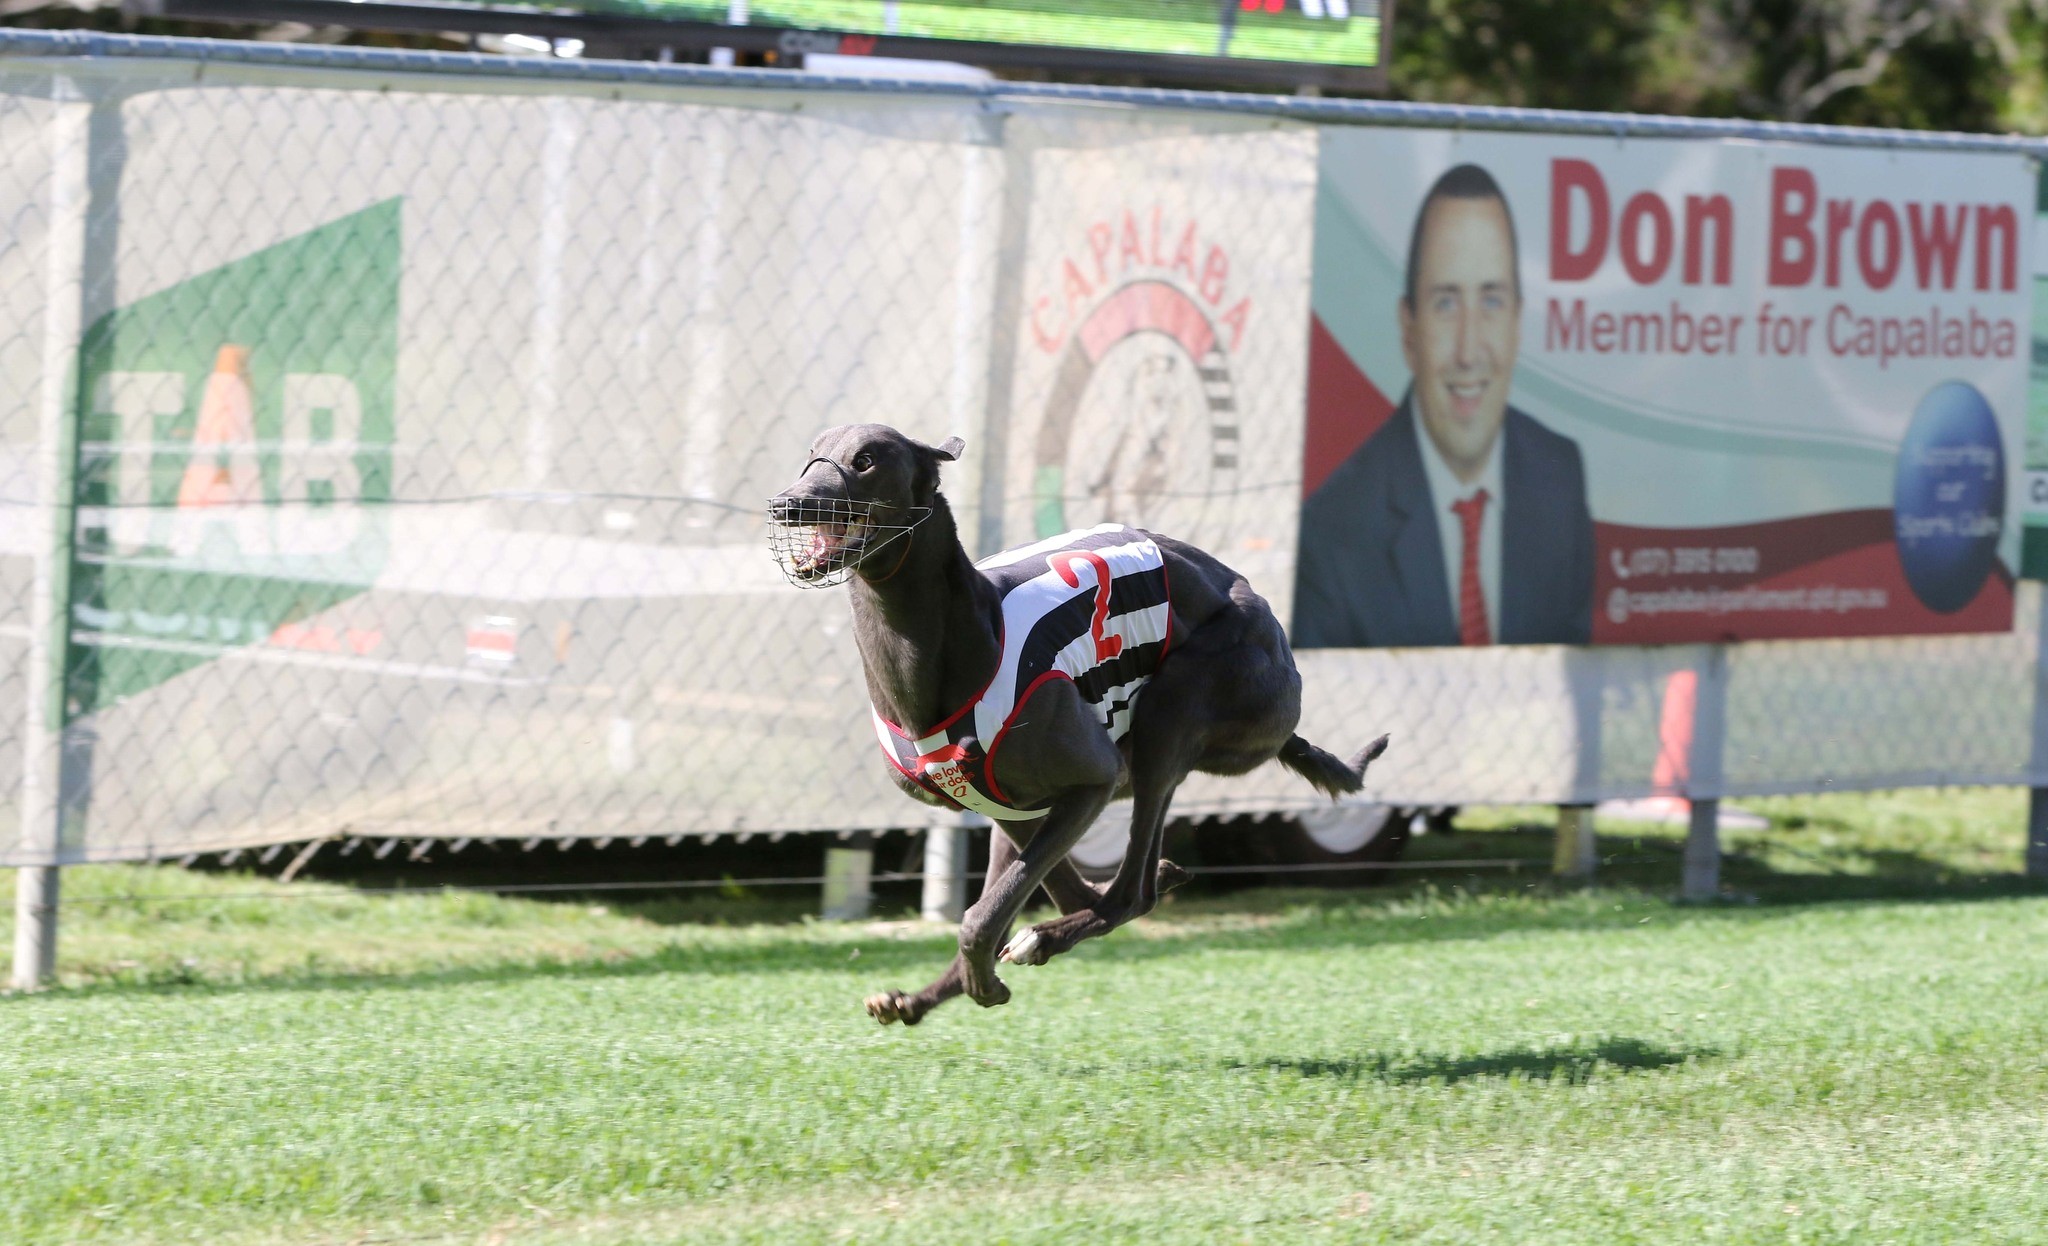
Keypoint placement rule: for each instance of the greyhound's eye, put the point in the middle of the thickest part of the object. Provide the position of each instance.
(862, 462)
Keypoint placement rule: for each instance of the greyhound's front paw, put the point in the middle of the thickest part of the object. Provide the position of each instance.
(889, 1007)
(1027, 947)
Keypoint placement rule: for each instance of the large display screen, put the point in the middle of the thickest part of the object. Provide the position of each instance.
(1271, 43)
(1324, 42)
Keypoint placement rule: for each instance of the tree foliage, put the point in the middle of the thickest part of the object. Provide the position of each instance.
(1919, 64)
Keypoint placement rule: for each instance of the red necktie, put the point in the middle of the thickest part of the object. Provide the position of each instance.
(1472, 629)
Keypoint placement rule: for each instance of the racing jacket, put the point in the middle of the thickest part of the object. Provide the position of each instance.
(1089, 607)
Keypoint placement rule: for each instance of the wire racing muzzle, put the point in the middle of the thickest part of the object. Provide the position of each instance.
(819, 541)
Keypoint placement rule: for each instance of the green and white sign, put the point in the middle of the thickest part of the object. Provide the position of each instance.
(235, 448)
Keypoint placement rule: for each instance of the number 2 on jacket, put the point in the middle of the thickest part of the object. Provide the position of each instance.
(1106, 647)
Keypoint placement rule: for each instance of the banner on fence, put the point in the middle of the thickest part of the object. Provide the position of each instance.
(1159, 374)
(1578, 390)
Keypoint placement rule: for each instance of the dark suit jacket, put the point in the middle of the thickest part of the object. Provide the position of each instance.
(1372, 565)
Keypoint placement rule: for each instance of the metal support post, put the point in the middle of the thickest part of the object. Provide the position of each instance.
(54, 516)
(1703, 852)
(2037, 833)
(849, 874)
(1586, 678)
(945, 870)
(2037, 798)
(35, 925)
(1576, 855)
(1702, 871)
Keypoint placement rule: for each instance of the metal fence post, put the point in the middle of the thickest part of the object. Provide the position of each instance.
(1576, 854)
(1702, 874)
(945, 869)
(849, 875)
(2037, 760)
(2037, 833)
(55, 516)
(35, 925)
(1702, 879)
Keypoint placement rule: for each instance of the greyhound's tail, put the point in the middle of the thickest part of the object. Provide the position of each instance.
(1324, 769)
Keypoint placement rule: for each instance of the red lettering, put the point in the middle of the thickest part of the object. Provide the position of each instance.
(1048, 340)
(1132, 249)
(1878, 274)
(2001, 223)
(1565, 330)
(1076, 289)
(1645, 206)
(1676, 330)
(1235, 318)
(1567, 176)
(1937, 242)
(1840, 322)
(1215, 272)
(1793, 199)
(1701, 211)
(1100, 235)
(1841, 215)
(1184, 254)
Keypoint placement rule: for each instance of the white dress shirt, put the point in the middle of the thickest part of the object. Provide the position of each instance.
(1444, 489)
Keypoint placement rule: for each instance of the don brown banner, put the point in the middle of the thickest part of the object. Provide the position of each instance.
(1574, 390)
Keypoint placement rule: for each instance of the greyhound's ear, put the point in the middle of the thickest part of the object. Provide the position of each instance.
(950, 449)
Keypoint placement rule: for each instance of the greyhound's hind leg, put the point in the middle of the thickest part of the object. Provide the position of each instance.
(1165, 739)
(1069, 891)
(1224, 701)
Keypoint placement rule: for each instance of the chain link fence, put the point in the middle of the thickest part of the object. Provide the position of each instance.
(384, 451)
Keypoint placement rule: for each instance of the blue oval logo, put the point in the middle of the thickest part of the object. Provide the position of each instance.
(1948, 498)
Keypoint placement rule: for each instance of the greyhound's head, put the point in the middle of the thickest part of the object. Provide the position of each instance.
(856, 502)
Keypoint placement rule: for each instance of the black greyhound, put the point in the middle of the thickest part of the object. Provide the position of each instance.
(1223, 697)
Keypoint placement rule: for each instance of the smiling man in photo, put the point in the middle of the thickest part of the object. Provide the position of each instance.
(1462, 520)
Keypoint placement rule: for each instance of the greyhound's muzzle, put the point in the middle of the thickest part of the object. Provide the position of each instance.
(819, 541)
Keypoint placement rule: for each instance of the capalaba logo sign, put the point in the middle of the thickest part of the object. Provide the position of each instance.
(1141, 425)
(235, 443)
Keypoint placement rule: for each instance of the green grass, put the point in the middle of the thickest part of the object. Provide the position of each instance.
(1857, 1056)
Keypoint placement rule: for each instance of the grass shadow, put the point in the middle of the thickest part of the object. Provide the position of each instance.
(1573, 1064)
